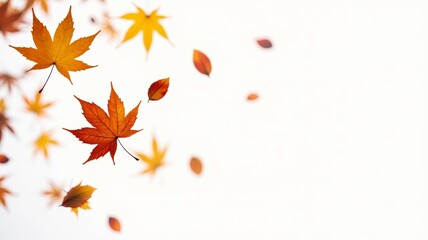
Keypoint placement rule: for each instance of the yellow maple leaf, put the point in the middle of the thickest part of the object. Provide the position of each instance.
(37, 106)
(43, 142)
(147, 24)
(154, 161)
(59, 51)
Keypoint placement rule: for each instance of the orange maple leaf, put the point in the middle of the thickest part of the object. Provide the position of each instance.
(55, 193)
(108, 128)
(58, 52)
(3, 192)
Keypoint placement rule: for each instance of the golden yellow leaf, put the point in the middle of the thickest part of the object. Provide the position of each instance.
(155, 160)
(37, 106)
(43, 142)
(148, 24)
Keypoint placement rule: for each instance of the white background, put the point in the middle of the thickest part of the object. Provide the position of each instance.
(335, 148)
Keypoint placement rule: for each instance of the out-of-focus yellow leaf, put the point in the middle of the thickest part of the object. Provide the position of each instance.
(43, 142)
(155, 160)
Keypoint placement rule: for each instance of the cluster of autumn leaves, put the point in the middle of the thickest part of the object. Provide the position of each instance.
(107, 128)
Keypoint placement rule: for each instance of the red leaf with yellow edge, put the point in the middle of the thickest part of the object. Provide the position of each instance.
(201, 62)
(196, 165)
(59, 51)
(114, 224)
(107, 128)
(158, 89)
(252, 96)
(264, 43)
(3, 159)
(77, 197)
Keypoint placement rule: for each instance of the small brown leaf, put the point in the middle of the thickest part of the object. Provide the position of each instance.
(252, 96)
(114, 224)
(201, 62)
(196, 165)
(3, 159)
(264, 43)
(158, 89)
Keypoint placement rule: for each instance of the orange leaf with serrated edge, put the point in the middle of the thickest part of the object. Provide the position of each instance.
(202, 62)
(59, 51)
(114, 224)
(3, 192)
(155, 160)
(148, 24)
(107, 128)
(196, 165)
(3, 159)
(158, 89)
(264, 43)
(77, 197)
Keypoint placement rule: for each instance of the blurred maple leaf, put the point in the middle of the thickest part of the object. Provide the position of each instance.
(55, 193)
(201, 62)
(158, 89)
(108, 28)
(58, 51)
(43, 4)
(3, 192)
(43, 142)
(154, 161)
(4, 122)
(37, 106)
(147, 24)
(8, 81)
(108, 128)
(77, 197)
(10, 19)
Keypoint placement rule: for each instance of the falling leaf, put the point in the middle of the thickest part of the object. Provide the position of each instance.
(10, 19)
(202, 62)
(55, 194)
(4, 124)
(108, 128)
(2, 105)
(114, 224)
(44, 5)
(37, 106)
(158, 89)
(78, 197)
(252, 96)
(154, 161)
(108, 27)
(43, 142)
(8, 80)
(147, 24)
(3, 159)
(58, 51)
(3, 192)
(264, 43)
(196, 165)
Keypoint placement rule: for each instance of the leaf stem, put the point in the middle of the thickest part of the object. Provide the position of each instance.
(49, 76)
(127, 150)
